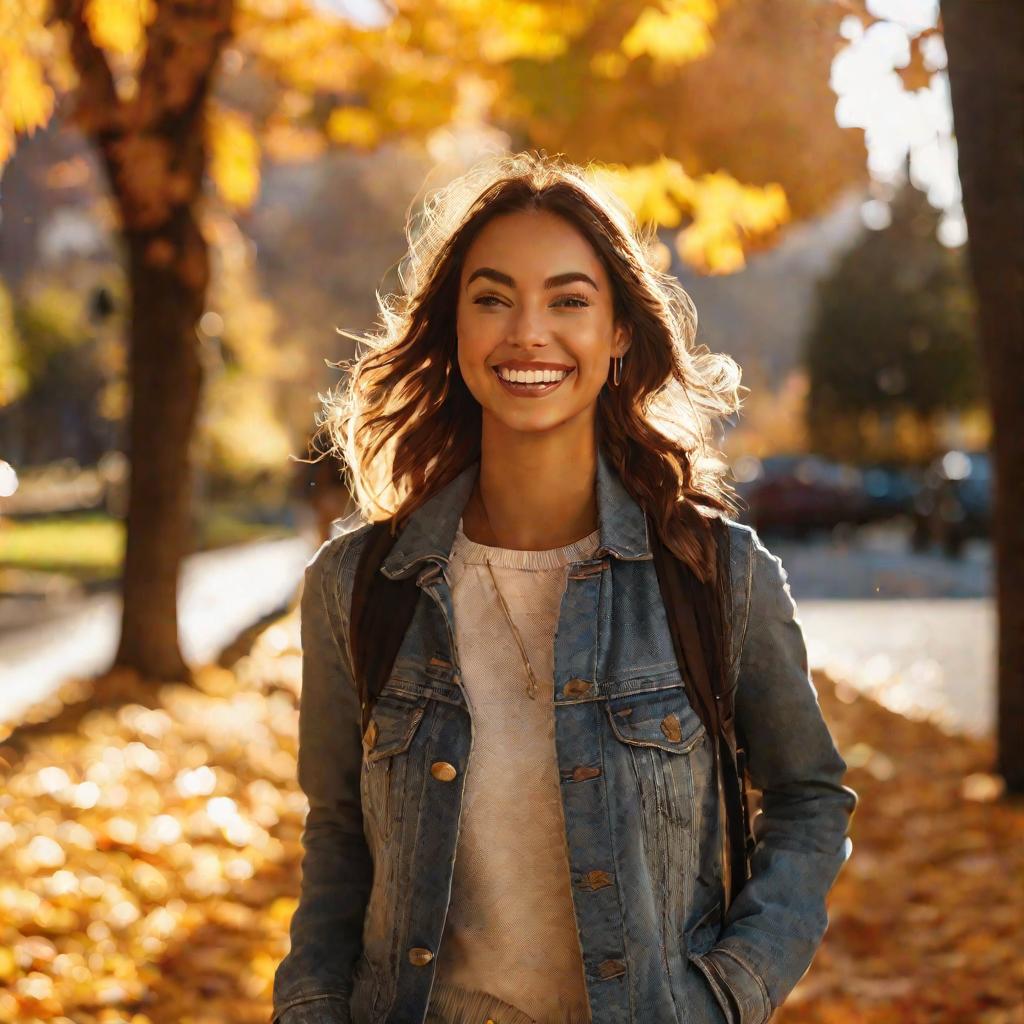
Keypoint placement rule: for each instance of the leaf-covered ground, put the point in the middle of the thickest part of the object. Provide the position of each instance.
(149, 864)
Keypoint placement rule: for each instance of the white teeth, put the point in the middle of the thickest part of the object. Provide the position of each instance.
(532, 376)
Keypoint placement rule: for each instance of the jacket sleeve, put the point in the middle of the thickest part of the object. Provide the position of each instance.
(776, 923)
(312, 984)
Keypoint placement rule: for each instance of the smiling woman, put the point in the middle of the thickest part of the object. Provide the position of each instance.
(526, 263)
(521, 820)
(504, 317)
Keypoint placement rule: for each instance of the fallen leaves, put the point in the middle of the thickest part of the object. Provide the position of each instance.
(926, 919)
(148, 859)
(149, 863)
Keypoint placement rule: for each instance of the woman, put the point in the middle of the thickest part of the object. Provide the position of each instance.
(529, 827)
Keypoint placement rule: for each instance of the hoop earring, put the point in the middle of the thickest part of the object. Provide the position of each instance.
(616, 370)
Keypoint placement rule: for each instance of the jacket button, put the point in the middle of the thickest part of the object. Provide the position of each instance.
(671, 728)
(596, 879)
(443, 771)
(611, 969)
(577, 688)
(420, 956)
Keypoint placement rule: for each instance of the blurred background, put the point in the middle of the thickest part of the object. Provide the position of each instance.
(193, 205)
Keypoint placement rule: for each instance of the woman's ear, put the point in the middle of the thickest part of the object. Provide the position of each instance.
(622, 340)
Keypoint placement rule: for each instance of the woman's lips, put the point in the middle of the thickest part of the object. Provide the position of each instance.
(534, 390)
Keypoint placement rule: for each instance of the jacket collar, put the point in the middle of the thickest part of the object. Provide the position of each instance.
(430, 530)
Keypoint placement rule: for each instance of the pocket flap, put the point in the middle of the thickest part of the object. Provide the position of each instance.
(661, 718)
(392, 725)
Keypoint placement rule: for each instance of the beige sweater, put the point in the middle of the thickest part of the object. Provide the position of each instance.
(510, 950)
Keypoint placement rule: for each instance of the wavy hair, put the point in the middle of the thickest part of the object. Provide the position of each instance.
(403, 422)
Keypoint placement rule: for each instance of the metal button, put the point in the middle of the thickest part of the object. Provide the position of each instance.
(611, 969)
(420, 956)
(577, 688)
(671, 728)
(443, 771)
(596, 879)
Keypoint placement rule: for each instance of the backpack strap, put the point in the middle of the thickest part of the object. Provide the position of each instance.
(698, 622)
(382, 609)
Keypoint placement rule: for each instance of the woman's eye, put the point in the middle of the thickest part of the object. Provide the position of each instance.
(572, 301)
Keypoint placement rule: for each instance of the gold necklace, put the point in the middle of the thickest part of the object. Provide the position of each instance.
(531, 689)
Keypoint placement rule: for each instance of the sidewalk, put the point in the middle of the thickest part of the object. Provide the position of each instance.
(221, 593)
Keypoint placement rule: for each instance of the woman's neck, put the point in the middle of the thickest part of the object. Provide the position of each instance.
(533, 492)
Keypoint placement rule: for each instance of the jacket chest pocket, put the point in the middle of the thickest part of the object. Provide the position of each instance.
(658, 730)
(386, 742)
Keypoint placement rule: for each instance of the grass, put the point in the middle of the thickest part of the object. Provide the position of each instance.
(87, 547)
(90, 547)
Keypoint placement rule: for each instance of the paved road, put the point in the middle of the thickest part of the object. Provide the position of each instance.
(221, 593)
(916, 630)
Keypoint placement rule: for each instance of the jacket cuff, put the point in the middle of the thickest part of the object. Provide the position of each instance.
(739, 990)
(320, 1009)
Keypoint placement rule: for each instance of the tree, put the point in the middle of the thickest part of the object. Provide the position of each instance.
(892, 333)
(985, 43)
(713, 118)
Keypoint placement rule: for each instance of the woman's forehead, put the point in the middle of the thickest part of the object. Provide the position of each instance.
(530, 247)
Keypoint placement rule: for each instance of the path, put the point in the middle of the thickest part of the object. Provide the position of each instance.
(917, 630)
(221, 593)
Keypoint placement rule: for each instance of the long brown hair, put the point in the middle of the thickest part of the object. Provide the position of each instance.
(404, 423)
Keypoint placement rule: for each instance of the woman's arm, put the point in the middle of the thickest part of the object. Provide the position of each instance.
(778, 920)
(313, 982)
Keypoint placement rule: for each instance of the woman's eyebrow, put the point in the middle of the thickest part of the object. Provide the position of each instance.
(552, 282)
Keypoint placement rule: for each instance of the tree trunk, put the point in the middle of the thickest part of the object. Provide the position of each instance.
(153, 147)
(168, 271)
(985, 45)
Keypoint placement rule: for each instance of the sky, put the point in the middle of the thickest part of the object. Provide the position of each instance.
(903, 130)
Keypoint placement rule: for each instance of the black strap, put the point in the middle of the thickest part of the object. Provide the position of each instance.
(695, 617)
(382, 609)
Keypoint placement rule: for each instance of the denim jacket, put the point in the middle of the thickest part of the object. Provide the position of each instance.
(643, 828)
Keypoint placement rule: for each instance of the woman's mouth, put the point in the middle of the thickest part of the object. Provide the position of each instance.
(531, 390)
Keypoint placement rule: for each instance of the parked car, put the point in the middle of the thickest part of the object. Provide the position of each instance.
(954, 503)
(889, 491)
(797, 494)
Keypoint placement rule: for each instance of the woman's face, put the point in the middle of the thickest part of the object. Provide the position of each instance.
(534, 294)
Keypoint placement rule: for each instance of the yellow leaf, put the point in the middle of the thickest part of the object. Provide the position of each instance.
(723, 212)
(678, 32)
(234, 157)
(119, 25)
(26, 99)
(510, 29)
(353, 126)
